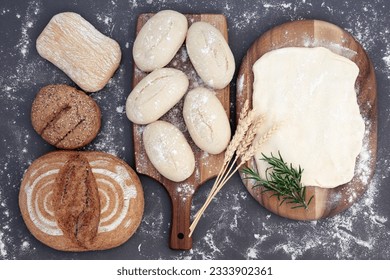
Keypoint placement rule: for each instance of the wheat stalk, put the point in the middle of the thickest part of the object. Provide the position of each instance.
(245, 133)
(245, 120)
(250, 135)
(255, 146)
(246, 141)
(248, 154)
(244, 111)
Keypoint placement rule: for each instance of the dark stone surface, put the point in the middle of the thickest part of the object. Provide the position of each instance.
(234, 226)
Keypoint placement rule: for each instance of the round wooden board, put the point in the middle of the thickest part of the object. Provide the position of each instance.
(316, 33)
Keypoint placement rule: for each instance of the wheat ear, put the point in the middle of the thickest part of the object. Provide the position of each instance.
(243, 145)
(245, 156)
(250, 135)
(249, 154)
(245, 120)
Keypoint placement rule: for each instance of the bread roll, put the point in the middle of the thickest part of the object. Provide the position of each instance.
(210, 54)
(159, 40)
(87, 56)
(65, 117)
(169, 151)
(206, 120)
(155, 94)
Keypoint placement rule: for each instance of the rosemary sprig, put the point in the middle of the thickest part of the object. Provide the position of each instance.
(283, 180)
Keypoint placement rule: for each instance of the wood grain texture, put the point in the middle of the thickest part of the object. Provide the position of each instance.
(207, 166)
(316, 33)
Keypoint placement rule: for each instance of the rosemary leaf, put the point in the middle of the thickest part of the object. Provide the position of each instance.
(283, 180)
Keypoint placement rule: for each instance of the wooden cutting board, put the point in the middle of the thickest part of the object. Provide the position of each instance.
(316, 33)
(207, 166)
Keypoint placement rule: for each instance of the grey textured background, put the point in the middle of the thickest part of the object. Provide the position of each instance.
(234, 226)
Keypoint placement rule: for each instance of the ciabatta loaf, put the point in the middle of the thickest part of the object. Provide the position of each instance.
(87, 56)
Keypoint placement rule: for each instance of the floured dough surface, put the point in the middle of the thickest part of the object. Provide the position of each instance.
(210, 54)
(206, 120)
(169, 151)
(159, 40)
(310, 94)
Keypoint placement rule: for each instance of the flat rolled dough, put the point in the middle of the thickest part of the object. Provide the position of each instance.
(309, 93)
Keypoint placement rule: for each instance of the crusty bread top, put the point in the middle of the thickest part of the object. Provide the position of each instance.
(120, 196)
(75, 46)
(65, 117)
(75, 201)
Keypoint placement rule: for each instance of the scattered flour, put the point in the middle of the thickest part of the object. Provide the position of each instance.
(155, 228)
(120, 109)
(365, 157)
(4, 11)
(133, 3)
(25, 41)
(361, 232)
(3, 252)
(251, 253)
(25, 245)
(185, 190)
(386, 59)
(278, 5)
(240, 84)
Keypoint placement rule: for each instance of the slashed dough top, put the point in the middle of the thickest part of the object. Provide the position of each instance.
(159, 40)
(310, 94)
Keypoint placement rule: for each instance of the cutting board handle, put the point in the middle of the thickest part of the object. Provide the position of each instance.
(180, 224)
(207, 165)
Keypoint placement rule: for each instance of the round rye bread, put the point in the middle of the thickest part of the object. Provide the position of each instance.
(81, 201)
(65, 117)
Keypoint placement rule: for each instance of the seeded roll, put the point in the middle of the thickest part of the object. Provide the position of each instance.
(65, 117)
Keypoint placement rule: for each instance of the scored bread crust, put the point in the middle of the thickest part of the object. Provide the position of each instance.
(75, 46)
(120, 193)
(75, 200)
(65, 117)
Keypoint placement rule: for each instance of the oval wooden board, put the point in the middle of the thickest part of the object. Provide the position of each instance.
(207, 165)
(316, 33)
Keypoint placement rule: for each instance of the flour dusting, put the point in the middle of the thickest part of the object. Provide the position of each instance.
(386, 60)
(357, 233)
(3, 251)
(234, 226)
(110, 138)
(339, 237)
(25, 41)
(364, 160)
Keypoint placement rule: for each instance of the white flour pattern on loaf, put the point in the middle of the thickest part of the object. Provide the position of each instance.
(115, 188)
